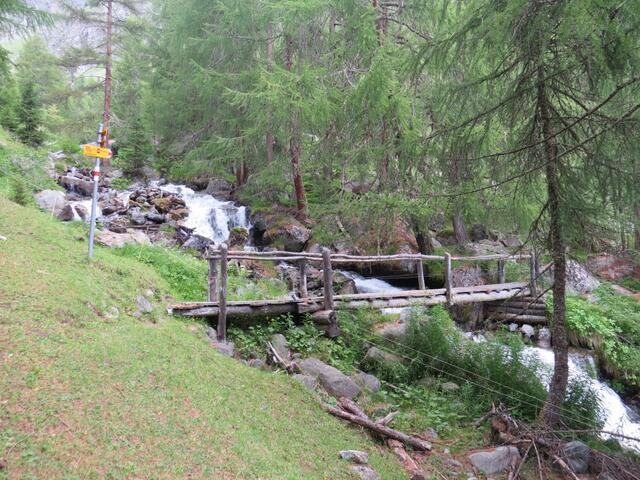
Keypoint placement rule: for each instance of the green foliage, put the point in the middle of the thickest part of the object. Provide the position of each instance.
(134, 152)
(611, 326)
(631, 283)
(21, 194)
(69, 146)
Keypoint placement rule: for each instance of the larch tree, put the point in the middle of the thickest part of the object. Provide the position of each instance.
(550, 75)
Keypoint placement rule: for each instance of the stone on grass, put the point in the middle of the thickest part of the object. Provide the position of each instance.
(376, 356)
(225, 348)
(365, 473)
(335, 382)
(116, 240)
(449, 387)
(355, 456)
(395, 333)
(257, 363)
(577, 456)
(494, 460)
(144, 305)
(367, 381)
(280, 345)
(212, 334)
(307, 380)
(51, 201)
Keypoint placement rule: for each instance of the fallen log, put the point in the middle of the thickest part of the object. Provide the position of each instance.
(409, 464)
(532, 319)
(413, 442)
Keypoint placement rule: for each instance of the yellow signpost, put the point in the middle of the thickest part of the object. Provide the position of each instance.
(94, 151)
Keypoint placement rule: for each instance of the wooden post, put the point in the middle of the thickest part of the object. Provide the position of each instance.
(533, 283)
(502, 277)
(302, 265)
(327, 275)
(222, 303)
(447, 278)
(213, 279)
(420, 270)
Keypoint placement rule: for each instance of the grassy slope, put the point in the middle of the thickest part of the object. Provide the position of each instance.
(86, 396)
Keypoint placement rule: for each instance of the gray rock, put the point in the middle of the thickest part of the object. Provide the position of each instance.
(3, 239)
(375, 355)
(365, 473)
(225, 348)
(51, 200)
(355, 456)
(280, 345)
(453, 463)
(77, 185)
(449, 387)
(212, 334)
(113, 313)
(494, 460)
(307, 380)
(332, 380)
(138, 218)
(257, 363)
(116, 240)
(528, 331)
(295, 238)
(579, 280)
(577, 456)
(486, 247)
(198, 242)
(511, 241)
(544, 338)
(395, 333)
(155, 217)
(367, 381)
(67, 214)
(513, 327)
(144, 305)
(219, 188)
(478, 232)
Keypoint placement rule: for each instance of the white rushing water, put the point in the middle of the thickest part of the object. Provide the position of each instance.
(373, 285)
(208, 216)
(616, 416)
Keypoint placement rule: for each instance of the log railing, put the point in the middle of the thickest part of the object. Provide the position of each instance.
(218, 266)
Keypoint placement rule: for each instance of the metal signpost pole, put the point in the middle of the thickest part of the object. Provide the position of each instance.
(94, 202)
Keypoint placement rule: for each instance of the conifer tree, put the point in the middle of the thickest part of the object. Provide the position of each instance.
(30, 129)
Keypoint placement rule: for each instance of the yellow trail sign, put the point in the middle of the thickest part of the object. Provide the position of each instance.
(94, 151)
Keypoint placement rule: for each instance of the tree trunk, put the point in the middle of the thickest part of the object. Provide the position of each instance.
(459, 229)
(106, 115)
(637, 228)
(269, 135)
(550, 414)
(294, 146)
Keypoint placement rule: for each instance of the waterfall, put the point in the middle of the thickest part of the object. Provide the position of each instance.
(615, 415)
(208, 216)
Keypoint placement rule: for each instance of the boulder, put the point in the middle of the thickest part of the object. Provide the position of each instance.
(511, 241)
(178, 214)
(365, 472)
(257, 363)
(138, 218)
(492, 461)
(544, 338)
(238, 237)
(449, 387)
(72, 212)
(393, 332)
(478, 232)
(614, 267)
(51, 201)
(77, 185)
(295, 237)
(579, 280)
(198, 242)
(367, 381)
(155, 217)
(376, 356)
(310, 382)
(577, 455)
(528, 331)
(144, 305)
(332, 380)
(116, 240)
(219, 188)
(280, 345)
(486, 247)
(355, 456)
(225, 348)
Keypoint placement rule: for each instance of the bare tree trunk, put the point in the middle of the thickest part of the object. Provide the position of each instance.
(106, 116)
(269, 135)
(637, 227)
(294, 146)
(459, 229)
(550, 414)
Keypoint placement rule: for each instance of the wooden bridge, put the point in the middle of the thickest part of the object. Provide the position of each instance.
(323, 308)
